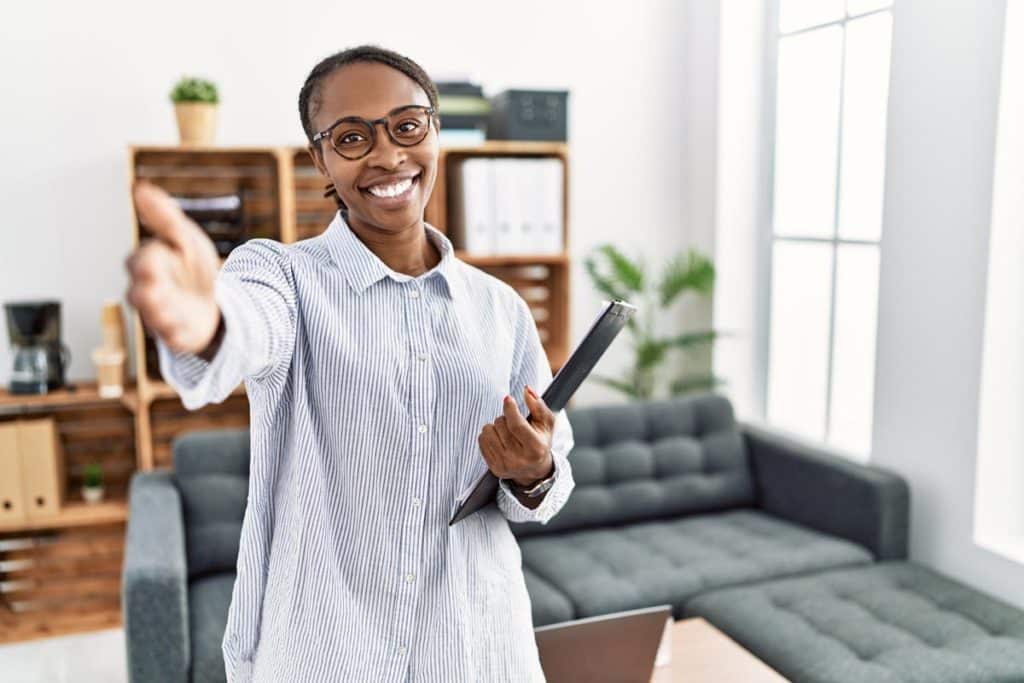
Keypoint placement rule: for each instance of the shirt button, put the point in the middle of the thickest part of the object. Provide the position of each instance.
(423, 428)
(422, 356)
(415, 502)
(409, 578)
(401, 649)
(415, 294)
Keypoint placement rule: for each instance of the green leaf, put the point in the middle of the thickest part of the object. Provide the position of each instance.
(191, 89)
(92, 475)
(629, 274)
(685, 341)
(690, 273)
(620, 385)
(687, 384)
(650, 352)
(603, 284)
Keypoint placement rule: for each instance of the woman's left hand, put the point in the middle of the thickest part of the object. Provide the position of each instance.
(515, 448)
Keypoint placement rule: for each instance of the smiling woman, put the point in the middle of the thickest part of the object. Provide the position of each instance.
(375, 362)
(381, 182)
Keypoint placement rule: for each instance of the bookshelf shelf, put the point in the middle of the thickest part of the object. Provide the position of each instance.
(75, 514)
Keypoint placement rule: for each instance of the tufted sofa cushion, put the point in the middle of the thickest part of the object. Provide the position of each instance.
(211, 470)
(893, 622)
(652, 459)
(670, 561)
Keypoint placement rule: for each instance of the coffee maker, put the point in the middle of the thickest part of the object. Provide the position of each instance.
(39, 358)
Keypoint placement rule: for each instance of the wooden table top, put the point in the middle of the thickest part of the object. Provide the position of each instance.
(703, 654)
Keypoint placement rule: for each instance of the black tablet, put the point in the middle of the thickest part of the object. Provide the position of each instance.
(609, 322)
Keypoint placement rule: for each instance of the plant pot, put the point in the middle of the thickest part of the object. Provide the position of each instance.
(92, 494)
(197, 122)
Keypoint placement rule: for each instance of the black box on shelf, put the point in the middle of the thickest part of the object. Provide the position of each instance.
(528, 115)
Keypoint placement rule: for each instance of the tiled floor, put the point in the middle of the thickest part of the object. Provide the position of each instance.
(96, 657)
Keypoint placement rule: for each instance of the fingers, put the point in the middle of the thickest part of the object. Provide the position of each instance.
(505, 436)
(491, 449)
(161, 215)
(149, 262)
(539, 411)
(516, 421)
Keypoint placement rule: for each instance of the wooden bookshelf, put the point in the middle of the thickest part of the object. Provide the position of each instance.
(61, 573)
(282, 196)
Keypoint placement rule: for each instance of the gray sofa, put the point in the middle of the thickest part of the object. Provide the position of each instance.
(796, 553)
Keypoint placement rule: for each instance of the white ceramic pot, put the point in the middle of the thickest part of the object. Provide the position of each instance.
(92, 494)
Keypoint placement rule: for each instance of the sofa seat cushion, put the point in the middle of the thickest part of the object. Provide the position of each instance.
(548, 604)
(893, 622)
(208, 601)
(669, 561)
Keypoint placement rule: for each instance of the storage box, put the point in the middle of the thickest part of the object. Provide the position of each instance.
(42, 467)
(528, 115)
(12, 499)
(31, 470)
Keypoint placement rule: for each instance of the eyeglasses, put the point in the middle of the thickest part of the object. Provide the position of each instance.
(353, 137)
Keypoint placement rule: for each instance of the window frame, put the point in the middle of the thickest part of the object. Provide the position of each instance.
(767, 236)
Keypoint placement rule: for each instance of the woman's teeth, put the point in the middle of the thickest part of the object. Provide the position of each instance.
(391, 190)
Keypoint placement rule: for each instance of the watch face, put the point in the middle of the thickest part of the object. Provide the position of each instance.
(540, 488)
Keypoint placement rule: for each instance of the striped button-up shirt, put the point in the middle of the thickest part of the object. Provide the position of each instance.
(368, 389)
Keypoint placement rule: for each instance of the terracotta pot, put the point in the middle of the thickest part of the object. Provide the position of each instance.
(197, 122)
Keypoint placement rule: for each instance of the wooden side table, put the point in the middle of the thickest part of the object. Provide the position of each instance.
(703, 654)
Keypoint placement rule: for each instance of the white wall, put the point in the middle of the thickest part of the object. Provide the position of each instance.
(740, 200)
(942, 123)
(999, 503)
(84, 80)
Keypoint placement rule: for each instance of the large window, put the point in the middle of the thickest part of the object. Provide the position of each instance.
(831, 78)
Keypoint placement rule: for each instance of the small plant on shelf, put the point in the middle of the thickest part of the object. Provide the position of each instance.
(195, 106)
(92, 483)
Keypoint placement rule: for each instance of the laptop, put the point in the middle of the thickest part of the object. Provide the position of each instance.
(612, 647)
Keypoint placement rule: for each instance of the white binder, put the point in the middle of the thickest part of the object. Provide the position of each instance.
(550, 195)
(507, 206)
(473, 218)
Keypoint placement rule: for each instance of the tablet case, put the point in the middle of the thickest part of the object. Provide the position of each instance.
(609, 322)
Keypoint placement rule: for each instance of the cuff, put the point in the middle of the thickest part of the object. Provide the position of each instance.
(199, 382)
(550, 504)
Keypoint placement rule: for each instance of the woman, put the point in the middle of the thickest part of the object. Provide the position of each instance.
(375, 363)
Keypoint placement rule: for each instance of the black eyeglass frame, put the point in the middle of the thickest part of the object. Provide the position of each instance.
(372, 125)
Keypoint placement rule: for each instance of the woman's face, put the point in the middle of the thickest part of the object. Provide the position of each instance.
(371, 90)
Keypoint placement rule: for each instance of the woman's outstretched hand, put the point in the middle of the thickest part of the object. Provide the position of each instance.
(172, 276)
(516, 448)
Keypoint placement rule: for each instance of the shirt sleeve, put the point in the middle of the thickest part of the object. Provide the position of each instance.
(255, 291)
(531, 366)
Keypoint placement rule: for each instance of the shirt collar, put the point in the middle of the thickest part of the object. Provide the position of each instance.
(363, 268)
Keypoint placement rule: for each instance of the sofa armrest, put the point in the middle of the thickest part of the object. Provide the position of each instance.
(826, 492)
(155, 582)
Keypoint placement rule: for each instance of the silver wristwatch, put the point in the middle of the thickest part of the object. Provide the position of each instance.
(538, 488)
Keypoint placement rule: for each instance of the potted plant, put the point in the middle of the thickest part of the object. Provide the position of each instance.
(622, 278)
(92, 483)
(195, 106)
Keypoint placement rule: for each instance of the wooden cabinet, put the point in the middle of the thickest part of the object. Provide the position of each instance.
(60, 557)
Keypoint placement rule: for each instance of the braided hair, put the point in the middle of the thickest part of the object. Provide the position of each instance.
(310, 100)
